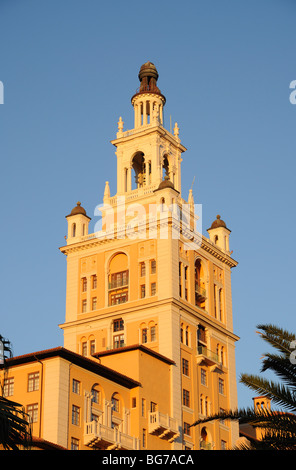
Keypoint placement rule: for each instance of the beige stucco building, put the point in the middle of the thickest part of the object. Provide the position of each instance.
(149, 345)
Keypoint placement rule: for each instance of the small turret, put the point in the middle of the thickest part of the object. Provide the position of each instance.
(78, 222)
(219, 234)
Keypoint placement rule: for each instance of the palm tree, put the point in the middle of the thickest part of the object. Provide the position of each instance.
(279, 427)
(15, 430)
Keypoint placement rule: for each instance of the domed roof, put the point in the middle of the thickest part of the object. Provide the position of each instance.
(148, 70)
(166, 183)
(77, 210)
(218, 223)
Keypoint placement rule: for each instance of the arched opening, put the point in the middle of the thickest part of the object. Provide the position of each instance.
(165, 167)
(118, 279)
(200, 290)
(138, 170)
(73, 230)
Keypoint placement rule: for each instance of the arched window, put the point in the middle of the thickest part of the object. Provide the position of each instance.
(73, 230)
(118, 281)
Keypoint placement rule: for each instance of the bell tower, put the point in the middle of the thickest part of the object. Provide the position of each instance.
(147, 154)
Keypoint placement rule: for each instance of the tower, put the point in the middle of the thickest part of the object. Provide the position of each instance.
(148, 278)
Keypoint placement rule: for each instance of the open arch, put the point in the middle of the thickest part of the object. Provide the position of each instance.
(200, 286)
(118, 279)
(138, 170)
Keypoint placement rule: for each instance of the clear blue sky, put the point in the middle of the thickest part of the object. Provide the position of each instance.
(69, 69)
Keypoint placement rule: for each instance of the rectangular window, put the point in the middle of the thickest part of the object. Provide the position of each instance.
(153, 288)
(144, 335)
(118, 341)
(76, 386)
(92, 346)
(153, 407)
(142, 291)
(74, 443)
(75, 415)
(117, 299)
(33, 412)
(115, 404)
(119, 280)
(84, 349)
(203, 376)
(94, 281)
(94, 303)
(84, 306)
(185, 367)
(8, 389)
(84, 284)
(33, 382)
(221, 386)
(143, 407)
(153, 266)
(186, 400)
(153, 333)
(223, 445)
(144, 438)
(118, 325)
(186, 428)
(96, 396)
(142, 269)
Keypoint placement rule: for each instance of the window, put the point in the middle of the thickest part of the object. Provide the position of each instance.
(94, 303)
(153, 266)
(118, 325)
(223, 445)
(33, 382)
(119, 298)
(134, 402)
(92, 346)
(75, 415)
(119, 280)
(84, 284)
(153, 288)
(96, 396)
(84, 348)
(153, 333)
(74, 443)
(144, 438)
(76, 386)
(153, 407)
(32, 411)
(143, 407)
(142, 291)
(142, 269)
(201, 334)
(185, 367)
(115, 403)
(186, 428)
(94, 281)
(8, 389)
(203, 377)
(144, 335)
(182, 334)
(84, 306)
(221, 386)
(118, 341)
(186, 400)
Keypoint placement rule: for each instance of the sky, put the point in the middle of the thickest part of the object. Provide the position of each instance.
(69, 69)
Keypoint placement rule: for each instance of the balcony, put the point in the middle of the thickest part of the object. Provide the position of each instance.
(200, 293)
(99, 436)
(163, 426)
(204, 445)
(204, 354)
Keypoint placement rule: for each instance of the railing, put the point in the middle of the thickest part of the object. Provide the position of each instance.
(157, 419)
(145, 88)
(205, 445)
(118, 283)
(113, 437)
(207, 353)
(200, 290)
